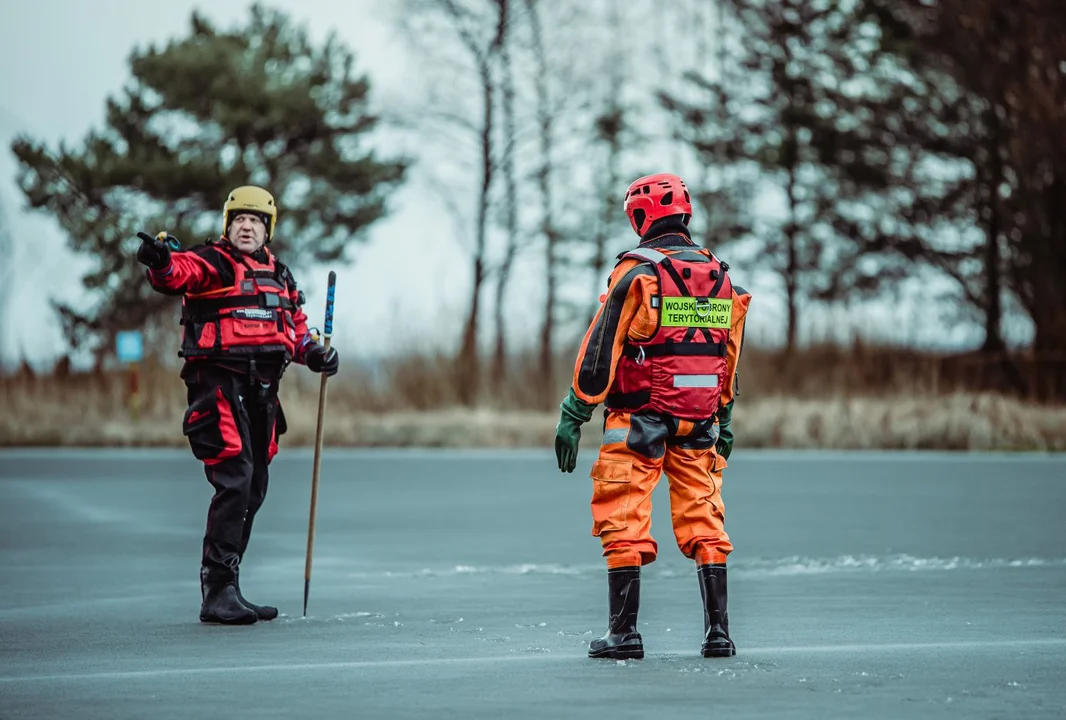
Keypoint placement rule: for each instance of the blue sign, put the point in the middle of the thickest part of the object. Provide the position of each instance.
(129, 345)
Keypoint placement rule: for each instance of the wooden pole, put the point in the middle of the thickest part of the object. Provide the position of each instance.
(327, 333)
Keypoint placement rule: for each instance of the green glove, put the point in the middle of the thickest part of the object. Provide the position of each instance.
(575, 413)
(724, 446)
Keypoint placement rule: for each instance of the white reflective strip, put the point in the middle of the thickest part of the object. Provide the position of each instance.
(615, 435)
(648, 254)
(696, 381)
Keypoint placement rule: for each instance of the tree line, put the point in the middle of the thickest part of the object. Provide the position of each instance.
(896, 137)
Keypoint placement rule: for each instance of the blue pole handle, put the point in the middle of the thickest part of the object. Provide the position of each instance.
(330, 290)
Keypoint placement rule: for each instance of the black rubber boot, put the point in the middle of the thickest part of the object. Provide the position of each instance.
(716, 641)
(220, 601)
(263, 612)
(622, 641)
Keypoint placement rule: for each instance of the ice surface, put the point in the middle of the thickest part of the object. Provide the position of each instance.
(861, 586)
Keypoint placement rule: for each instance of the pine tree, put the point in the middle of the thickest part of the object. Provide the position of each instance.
(776, 133)
(257, 104)
(979, 95)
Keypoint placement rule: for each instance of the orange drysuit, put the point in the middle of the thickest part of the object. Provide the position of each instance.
(638, 447)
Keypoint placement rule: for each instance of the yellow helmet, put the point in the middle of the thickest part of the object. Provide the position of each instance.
(250, 198)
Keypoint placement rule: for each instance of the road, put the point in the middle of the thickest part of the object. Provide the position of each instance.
(467, 585)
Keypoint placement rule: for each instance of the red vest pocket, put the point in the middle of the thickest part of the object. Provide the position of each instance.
(208, 336)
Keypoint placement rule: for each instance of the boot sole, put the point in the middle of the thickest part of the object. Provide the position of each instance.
(719, 652)
(264, 615)
(263, 612)
(236, 621)
(618, 654)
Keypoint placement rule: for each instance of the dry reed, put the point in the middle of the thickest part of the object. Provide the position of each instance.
(820, 398)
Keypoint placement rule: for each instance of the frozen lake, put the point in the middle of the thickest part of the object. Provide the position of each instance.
(466, 584)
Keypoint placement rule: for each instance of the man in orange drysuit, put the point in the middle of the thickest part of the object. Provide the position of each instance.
(662, 355)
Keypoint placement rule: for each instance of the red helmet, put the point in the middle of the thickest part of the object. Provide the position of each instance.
(656, 196)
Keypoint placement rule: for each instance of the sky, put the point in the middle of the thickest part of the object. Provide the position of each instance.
(71, 54)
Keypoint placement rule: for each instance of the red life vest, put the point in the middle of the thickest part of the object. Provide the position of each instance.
(681, 369)
(252, 316)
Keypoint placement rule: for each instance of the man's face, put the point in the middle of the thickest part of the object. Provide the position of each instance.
(247, 232)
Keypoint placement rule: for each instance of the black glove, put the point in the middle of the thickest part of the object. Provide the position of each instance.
(319, 360)
(153, 252)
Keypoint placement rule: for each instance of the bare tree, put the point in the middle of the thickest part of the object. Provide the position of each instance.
(478, 27)
(549, 229)
(610, 132)
(484, 56)
(510, 204)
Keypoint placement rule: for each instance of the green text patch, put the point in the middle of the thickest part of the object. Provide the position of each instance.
(696, 312)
